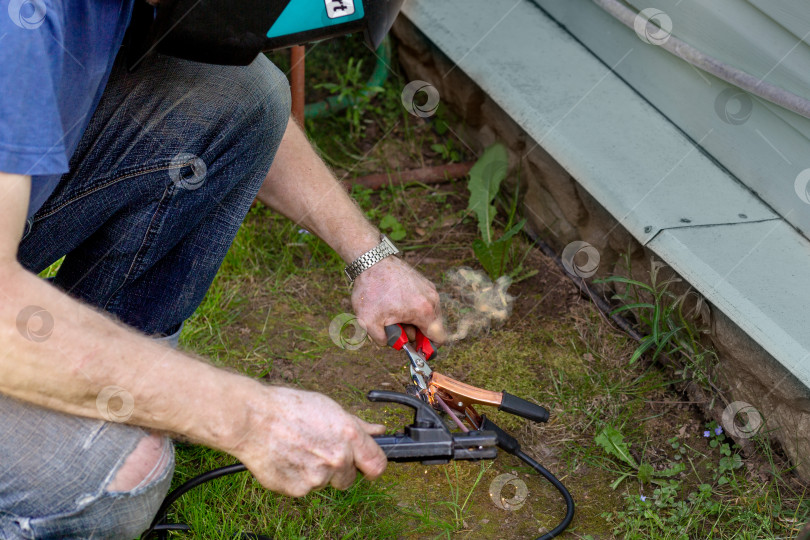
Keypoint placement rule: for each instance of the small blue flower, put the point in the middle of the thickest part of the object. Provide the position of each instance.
(643, 498)
(718, 430)
(707, 433)
(303, 231)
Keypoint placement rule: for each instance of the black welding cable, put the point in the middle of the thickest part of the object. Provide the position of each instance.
(511, 445)
(159, 525)
(569, 501)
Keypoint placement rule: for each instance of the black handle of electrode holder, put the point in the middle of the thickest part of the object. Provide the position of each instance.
(505, 441)
(524, 409)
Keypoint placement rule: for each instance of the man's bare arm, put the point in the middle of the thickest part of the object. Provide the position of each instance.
(292, 441)
(301, 186)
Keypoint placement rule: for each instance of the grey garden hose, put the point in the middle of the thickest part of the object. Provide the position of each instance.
(709, 64)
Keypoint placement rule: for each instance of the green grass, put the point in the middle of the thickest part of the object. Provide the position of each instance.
(236, 504)
(717, 500)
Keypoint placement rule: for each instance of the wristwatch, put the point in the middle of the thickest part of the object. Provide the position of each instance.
(371, 257)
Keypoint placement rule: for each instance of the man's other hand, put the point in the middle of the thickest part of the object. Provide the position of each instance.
(300, 441)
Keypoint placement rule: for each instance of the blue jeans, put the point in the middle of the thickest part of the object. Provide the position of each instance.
(157, 189)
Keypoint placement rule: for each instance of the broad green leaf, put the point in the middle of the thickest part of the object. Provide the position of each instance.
(485, 181)
(490, 256)
(612, 441)
(493, 256)
(391, 223)
(645, 473)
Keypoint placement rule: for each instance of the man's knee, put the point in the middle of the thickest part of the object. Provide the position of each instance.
(124, 510)
(266, 85)
(57, 472)
(130, 499)
(251, 107)
(263, 105)
(147, 462)
(214, 104)
(254, 100)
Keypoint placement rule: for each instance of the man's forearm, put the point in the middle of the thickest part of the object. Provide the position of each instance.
(301, 186)
(81, 362)
(87, 352)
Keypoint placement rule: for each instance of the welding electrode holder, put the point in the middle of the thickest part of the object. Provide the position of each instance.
(428, 440)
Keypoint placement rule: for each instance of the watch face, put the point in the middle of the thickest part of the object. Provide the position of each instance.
(387, 241)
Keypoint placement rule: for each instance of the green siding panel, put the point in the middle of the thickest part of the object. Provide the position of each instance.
(756, 274)
(739, 34)
(765, 150)
(793, 15)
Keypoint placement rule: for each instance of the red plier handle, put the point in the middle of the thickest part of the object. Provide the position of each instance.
(397, 338)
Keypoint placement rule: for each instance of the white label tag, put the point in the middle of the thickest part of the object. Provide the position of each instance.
(339, 8)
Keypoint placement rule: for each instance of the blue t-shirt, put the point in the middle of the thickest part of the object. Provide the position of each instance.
(55, 58)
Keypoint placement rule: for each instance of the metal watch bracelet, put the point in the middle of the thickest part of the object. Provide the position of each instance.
(371, 257)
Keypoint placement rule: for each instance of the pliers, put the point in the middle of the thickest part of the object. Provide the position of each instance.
(418, 356)
(450, 395)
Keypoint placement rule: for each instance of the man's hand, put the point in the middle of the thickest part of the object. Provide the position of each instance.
(300, 441)
(393, 292)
